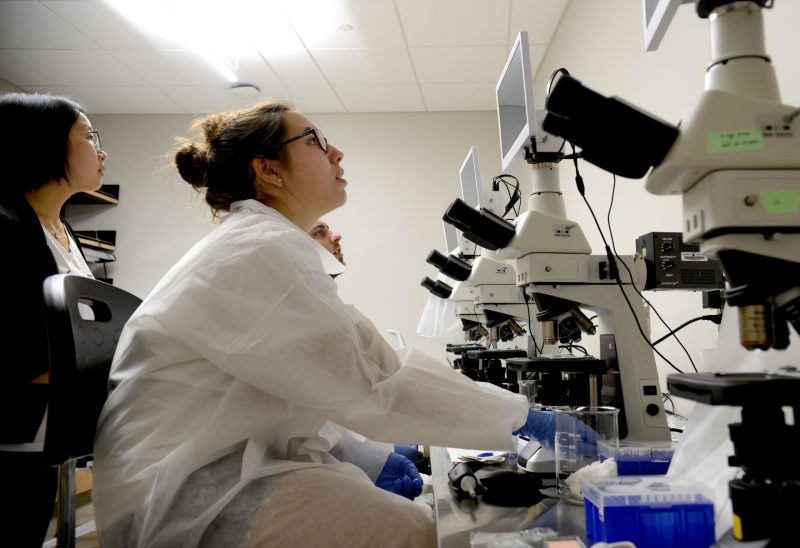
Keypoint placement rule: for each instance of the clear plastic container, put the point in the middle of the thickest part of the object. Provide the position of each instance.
(643, 459)
(650, 511)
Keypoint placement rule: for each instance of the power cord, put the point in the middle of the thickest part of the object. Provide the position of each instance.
(576, 346)
(513, 197)
(530, 329)
(630, 274)
(716, 318)
(612, 262)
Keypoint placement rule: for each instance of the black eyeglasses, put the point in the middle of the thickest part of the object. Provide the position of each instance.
(322, 142)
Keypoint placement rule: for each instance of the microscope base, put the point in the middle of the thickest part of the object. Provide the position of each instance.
(536, 459)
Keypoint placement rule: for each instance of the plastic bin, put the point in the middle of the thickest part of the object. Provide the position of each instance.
(650, 511)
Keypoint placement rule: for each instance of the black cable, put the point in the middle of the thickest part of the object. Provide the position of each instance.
(673, 429)
(513, 197)
(630, 274)
(571, 346)
(612, 263)
(530, 329)
(716, 318)
(666, 397)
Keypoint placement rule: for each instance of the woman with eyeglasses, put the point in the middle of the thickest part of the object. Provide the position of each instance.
(49, 151)
(236, 381)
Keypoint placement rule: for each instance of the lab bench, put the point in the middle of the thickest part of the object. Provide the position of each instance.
(456, 520)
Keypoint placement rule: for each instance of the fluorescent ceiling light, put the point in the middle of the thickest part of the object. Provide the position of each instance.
(170, 20)
(222, 31)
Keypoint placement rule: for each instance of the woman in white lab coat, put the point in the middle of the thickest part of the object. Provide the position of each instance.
(233, 380)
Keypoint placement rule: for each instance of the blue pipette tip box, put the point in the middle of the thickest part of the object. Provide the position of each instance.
(643, 459)
(650, 511)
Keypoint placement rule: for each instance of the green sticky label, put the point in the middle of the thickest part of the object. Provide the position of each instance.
(786, 201)
(735, 141)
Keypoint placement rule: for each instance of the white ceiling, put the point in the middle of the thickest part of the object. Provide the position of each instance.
(401, 55)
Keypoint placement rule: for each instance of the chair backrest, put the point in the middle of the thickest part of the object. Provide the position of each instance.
(82, 346)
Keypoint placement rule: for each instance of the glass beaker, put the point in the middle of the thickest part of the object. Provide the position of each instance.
(585, 437)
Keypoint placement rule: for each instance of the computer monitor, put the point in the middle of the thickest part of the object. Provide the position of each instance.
(516, 113)
(470, 176)
(658, 15)
(450, 237)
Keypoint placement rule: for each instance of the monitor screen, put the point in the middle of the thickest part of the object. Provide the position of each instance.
(450, 237)
(470, 176)
(516, 114)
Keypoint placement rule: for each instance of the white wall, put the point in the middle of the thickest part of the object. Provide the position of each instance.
(402, 169)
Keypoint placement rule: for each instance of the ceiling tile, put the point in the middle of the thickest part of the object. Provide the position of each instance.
(295, 67)
(20, 74)
(459, 64)
(365, 66)
(127, 99)
(252, 68)
(538, 51)
(8, 87)
(269, 29)
(30, 25)
(170, 67)
(202, 99)
(477, 96)
(454, 22)
(373, 24)
(539, 19)
(380, 98)
(106, 27)
(315, 98)
(55, 90)
(78, 67)
(458, 49)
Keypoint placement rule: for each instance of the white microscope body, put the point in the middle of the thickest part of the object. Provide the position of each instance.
(736, 162)
(551, 257)
(491, 285)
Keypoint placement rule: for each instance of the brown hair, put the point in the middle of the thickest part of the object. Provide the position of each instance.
(220, 162)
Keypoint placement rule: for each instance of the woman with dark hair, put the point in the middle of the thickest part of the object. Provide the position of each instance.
(49, 152)
(236, 381)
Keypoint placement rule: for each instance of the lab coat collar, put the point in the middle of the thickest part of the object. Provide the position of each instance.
(330, 264)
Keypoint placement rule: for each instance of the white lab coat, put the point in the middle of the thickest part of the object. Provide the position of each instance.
(233, 371)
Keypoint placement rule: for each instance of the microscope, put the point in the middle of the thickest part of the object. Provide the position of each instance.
(735, 162)
(484, 295)
(553, 263)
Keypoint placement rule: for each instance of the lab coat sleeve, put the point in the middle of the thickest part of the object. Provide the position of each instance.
(269, 315)
(370, 456)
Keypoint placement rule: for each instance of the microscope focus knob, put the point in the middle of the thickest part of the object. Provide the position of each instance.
(652, 410)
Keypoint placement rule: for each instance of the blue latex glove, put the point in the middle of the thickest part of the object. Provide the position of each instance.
(541, 426)
(411, 452)
(400, 476)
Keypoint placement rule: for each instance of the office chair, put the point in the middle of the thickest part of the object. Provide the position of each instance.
(81, 345)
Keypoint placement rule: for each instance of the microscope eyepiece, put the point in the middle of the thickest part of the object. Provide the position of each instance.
(483, 227)
(450, 266)
(440, 289)
(607, 129)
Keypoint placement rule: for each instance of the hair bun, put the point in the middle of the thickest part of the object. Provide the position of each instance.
(214, 124)
(192, 164)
